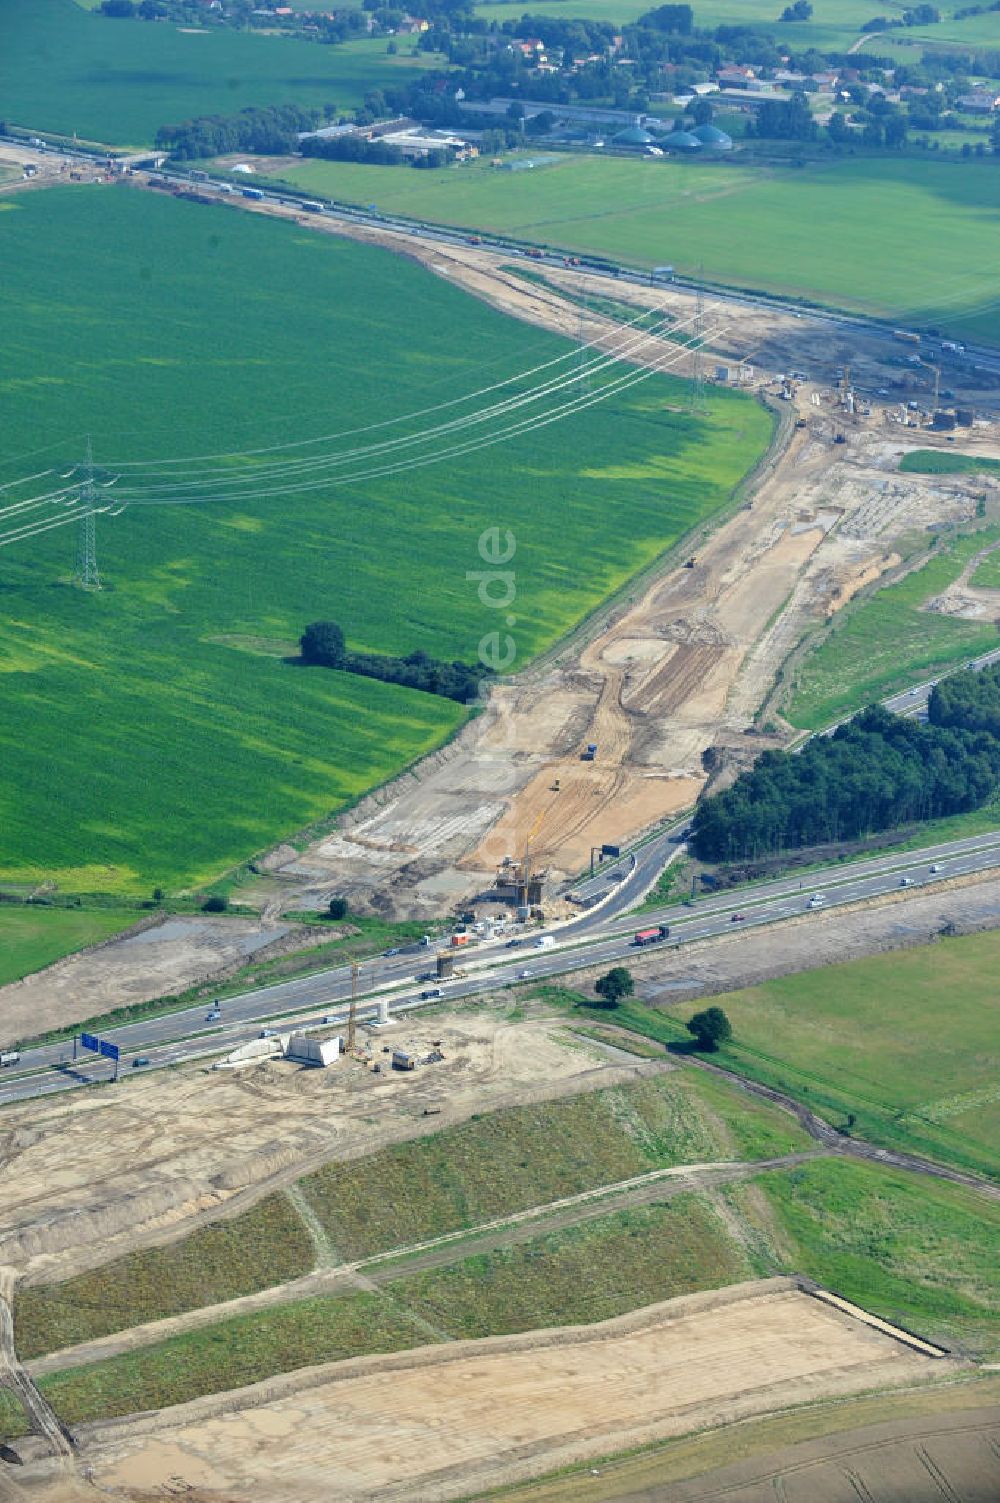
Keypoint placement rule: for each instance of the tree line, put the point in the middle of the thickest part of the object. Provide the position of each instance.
(322, 644)
(968, 701)
(875, 773)
(272, 130)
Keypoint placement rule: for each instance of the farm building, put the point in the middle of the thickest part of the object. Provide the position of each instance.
(419, 143)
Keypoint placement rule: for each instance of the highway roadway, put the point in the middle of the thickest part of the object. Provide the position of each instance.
(596, 938)
(980, 357)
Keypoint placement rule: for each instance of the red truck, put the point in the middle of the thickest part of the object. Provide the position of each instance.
(651, 936)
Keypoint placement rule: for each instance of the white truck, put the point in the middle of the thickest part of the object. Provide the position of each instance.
(9, 1057)
(544, 942)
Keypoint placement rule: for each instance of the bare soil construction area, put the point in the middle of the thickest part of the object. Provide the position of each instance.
(683, 666)
(162, 959)
(98, 1173)
(750, 957)
(437, 1423)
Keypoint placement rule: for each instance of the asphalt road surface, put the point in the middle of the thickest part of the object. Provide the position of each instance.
(596, 938)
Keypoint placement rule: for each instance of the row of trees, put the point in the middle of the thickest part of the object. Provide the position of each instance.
(322, 644)
(875, 773)
(270, 130)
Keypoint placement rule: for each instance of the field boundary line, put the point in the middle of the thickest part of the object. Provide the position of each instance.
(324, 1281)
(886, 1327)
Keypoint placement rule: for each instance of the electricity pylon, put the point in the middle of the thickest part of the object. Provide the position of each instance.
(87, 576)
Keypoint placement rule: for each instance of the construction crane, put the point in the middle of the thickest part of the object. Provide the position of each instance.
(352, 1016)
(929, 366)
(526, 868)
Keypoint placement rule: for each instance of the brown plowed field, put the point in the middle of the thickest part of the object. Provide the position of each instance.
(443, 1422)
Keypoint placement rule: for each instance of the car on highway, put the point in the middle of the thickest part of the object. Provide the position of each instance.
(140, 1062)
(387, 954)
(267, 1033)
(523, 975)
(213, 1015)
(738, 918)
(816, 901)
(432, 991)
(512, 944)
(935, 866)
(906, 881)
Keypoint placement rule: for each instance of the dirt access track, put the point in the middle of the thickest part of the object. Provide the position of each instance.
(441, 1422)
(268, 1123)
(681, 666)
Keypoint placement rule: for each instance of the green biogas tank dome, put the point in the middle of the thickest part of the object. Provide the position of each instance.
(714, 139)
(682, 140)
(634, 136)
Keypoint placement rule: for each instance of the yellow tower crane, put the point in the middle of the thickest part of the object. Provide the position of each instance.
(929, 366)
(526, 864)
(352, 1016)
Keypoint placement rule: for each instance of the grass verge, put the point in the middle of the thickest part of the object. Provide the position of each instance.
(945, 462)
(233, 1353)
(13, 1420)
(916, 1252)
(905, 1042)
(265, 1245)
(495, 1165)
(580, 1275)
(31, 937)
(889, 639)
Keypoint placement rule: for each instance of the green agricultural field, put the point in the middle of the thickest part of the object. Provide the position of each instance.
(916, 1252)
(32, 937)
(888, 639)
(162, 707)
(834, 23)
(588, 1273)
(907, 1042)
(263, 1246)
(872, 235)
(947, 462)
(63, 69)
